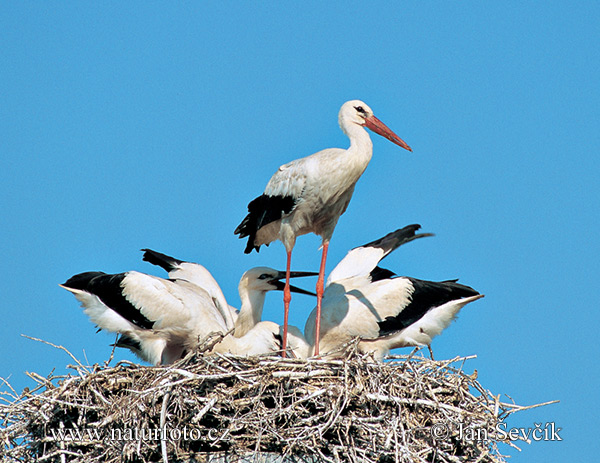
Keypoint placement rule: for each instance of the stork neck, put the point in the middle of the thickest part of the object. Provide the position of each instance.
(250, 312)
(360, 141)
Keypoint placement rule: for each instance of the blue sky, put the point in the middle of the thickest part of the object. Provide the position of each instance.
(146, 124)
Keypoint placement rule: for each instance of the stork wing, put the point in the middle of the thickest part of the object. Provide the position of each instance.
(425, 296)
(278, 200)
(194, 273)
(289, 180)
(363, 260)
(171, 303)
(113, 302)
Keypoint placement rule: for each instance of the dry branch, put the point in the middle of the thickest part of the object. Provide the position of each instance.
(225, 408)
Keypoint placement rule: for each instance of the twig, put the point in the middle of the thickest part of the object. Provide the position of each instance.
(58, 347)
(333, 410)
(163, 424)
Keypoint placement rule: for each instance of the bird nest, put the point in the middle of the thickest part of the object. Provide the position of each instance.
(222, 408)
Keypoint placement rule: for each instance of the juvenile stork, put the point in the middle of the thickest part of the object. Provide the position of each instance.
(196, 274)
(310, 194)
(252, 287)
(160, 320)
(385, 311)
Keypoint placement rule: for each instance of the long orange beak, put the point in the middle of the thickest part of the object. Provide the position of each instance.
(380, 128)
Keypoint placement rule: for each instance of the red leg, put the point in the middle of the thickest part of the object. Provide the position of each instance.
(320, 284)
(287, 297)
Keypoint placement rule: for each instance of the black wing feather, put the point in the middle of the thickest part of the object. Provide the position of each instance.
(262, 211)
(397, 238)
(126, 342)
(379, 273)
(426, 295)
(279, 340)
(162, 260)
(109, 290)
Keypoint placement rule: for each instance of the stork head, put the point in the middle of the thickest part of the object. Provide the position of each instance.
(265, 279)
(358, 112)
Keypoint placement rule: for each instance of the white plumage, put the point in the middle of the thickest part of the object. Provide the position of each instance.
(264, 338)
(196, 274)
(253, 286)
(309, 195)
(160, 320)
(383, 310)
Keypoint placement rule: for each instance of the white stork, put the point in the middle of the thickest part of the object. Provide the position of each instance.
(252, 289)
(309, 195)
(196, 274)
(263, 338)
(384, 310)
(160, 320)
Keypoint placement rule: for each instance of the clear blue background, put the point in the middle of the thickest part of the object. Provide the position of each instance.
(150, 124)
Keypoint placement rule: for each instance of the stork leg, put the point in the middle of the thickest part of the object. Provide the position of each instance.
(320, 284)
(287, 297)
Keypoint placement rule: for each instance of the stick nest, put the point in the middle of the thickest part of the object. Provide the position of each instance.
(267, 409)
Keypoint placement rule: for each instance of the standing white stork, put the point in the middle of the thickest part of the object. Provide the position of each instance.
(309, 195)
(160, 320)
(385, 311)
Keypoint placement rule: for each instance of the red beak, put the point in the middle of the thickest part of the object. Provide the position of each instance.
(380, 128)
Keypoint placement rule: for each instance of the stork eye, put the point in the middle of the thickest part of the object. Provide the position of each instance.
(360, 109)
(264, 276)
